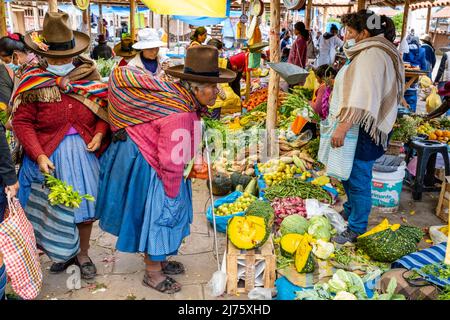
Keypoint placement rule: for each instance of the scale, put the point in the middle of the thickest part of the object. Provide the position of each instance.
(294, 4)
(81, 4)
(256, 10)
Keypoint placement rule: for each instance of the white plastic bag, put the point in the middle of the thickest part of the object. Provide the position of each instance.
(315, 208)
(436, 235)
(218, 282)
(261, 293)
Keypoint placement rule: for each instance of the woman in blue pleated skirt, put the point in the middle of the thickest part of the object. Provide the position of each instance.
(143, 197)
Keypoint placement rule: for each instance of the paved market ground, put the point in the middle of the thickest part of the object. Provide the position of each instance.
(120, 274)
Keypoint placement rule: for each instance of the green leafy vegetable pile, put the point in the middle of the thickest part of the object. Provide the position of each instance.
(105, 66)
(63, 194)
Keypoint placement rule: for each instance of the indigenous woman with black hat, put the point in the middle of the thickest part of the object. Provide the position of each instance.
(154, 138)
(102, 50)
(198, 37)
(57, 117)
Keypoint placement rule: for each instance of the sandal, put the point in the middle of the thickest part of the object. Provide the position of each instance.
(168, 285)
(88, 269)
(58, 267)
(172, 267)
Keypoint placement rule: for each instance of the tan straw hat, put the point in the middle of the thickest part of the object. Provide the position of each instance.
(57, 39)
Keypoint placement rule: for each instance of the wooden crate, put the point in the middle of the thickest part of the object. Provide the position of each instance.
(251, 258)
(442, 209)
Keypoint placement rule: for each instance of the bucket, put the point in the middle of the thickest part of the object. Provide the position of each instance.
(386, 189)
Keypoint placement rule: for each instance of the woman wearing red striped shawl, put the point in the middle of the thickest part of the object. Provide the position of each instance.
(143, 198)
(57, 117)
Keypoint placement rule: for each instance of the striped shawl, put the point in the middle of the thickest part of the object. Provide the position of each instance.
(136, 97)
(38, 85)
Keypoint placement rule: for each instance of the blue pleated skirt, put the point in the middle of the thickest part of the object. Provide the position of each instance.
(73, 165)
(133, 206)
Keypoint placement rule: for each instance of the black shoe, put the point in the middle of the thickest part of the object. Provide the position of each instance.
(88, 269)
(346, 236)
(59, 267)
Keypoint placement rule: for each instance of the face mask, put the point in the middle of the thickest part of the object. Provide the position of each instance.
(13, 66)
(61, 70)
(350, 43)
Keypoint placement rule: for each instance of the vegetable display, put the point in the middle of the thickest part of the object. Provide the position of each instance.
(320, 228)
(261, 209)
(105, 66)
(285, 207)
(240, 205)
(63, 194)
(322, 249)
(304, 259)
(248, 232)
(387, 243)
(294, 224)
(297, 188)
(346, 286)
(289, 244)
(221, 184)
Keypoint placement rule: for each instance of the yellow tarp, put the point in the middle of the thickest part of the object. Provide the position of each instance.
(196, 8)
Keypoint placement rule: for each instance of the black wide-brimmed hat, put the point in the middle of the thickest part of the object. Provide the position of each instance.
(202, 65)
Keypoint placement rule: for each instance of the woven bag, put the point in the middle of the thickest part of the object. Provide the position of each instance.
(20, 256)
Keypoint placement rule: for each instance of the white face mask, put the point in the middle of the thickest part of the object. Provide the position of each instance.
(350, 43)
(61, 70)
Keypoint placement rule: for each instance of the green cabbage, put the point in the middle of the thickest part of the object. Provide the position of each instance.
(344, 295)
(320, 228)
(294, 224)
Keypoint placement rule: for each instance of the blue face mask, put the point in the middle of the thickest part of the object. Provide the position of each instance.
(13, 66)
(61, 70)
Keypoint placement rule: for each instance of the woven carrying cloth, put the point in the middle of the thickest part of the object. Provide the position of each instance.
(93, 94)
(136, 97)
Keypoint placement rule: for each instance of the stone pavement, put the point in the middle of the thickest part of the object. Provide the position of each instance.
(120, 274)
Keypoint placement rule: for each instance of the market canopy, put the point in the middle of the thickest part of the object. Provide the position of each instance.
(429, 4)
(192, 8)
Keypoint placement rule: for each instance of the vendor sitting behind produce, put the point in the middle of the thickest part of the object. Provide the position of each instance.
(325, 74)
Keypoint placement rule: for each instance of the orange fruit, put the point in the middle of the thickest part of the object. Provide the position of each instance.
(447, 133)
(432, 136)
(439, 133)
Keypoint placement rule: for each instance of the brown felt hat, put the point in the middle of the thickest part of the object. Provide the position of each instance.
(125, 48)
(202, 65)
(57, 39)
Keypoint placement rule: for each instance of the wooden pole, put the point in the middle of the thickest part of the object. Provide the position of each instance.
(52, 6)
(87, 21)
(362, 4)
(308, 14)
(100, 18)
(3, 31)
(132, 19)
(274, 80)
(405, 18)
(153, 20)
(325, 18)
(168, 31)
(427, 28)
(10, 16)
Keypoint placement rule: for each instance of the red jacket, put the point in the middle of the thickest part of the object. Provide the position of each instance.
(299, 52)
(40, 127)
